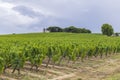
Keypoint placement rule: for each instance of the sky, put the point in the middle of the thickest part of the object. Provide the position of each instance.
(26, 16)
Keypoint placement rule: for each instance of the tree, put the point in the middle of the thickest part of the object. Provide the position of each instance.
(83, 30)
(76, 30)
(71, 29)
(107, 29)
(54, 29)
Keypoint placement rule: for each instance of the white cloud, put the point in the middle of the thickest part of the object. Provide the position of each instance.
(11, 20)
(31, 15)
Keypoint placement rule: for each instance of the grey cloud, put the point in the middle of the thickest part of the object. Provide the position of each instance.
(81, 13)
(27, 11)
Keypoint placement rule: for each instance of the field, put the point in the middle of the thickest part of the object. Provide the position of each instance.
(59, 56)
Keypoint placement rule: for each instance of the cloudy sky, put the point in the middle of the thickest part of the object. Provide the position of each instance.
(22, 16)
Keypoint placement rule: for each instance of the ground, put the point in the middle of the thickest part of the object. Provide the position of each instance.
(91, 69)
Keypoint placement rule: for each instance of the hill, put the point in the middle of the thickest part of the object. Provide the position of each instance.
(58, 56)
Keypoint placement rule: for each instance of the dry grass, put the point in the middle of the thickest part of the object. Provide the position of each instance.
(91, 69)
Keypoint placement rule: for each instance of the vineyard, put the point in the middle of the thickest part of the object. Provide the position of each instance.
(37, 52)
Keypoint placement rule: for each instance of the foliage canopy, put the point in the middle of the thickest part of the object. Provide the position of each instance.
(107, 29)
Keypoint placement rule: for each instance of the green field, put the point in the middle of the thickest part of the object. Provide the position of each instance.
(53, 49)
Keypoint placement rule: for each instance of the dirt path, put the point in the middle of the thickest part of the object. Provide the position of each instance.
(98, 71)
(64, 77)
(94, 69)
(6, 78)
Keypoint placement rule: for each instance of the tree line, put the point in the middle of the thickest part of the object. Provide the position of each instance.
(71, 29)
(106, 29)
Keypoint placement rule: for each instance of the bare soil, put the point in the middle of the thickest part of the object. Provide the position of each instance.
(90, 69)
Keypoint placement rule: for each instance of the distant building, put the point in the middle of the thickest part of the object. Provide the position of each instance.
(116, 34)
(45, 30)
(13, 33)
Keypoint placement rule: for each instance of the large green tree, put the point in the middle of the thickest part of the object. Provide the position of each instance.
(54, 29)
(74, 29)
(107, 29)
(71, 29)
